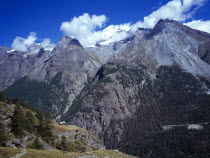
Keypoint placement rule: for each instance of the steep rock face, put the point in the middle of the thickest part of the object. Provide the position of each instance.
(172, 43)
(204, 52)
(74, 65)
(159, 79)
(15, 65)
(58, 77)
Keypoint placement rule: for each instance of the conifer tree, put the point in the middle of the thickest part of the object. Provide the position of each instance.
(64, 144)
(29, 122)
(3, 135)
(18, 120)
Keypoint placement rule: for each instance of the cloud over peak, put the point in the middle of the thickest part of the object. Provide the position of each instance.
(29, 43)
(84, 27)
(22, 44)
(199, 25)
(179, 10)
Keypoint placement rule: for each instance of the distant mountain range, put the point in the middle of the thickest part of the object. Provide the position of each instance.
(125, 92)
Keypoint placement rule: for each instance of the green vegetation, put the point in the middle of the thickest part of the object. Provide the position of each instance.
(18, 125)
(37, 128)
(64, 144)
(25, 120)
(41, 95)
(174, 143)
(8, 152)
(3, 134)
(37, 144)
(30, 121)
(75, 146)
(177, 98)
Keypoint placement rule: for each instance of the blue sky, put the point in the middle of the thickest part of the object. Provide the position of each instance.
(19, 18)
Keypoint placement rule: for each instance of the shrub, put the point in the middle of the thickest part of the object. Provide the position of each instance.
(37, 144)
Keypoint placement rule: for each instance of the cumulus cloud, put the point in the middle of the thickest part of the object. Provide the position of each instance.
(22, 44)
(84, 27)
(179, 10)
(47, 45)
(199, 25)
(29, 44)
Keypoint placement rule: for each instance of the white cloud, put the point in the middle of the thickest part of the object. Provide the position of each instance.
(179, 10)
(199, 25)
(30, 40)
(47, 45)
(22, 44)
(83, 26)
(29, 44)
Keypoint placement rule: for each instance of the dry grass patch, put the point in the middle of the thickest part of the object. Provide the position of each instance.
(65, 128)
(8, 152)
(110, 153)
(32, 153)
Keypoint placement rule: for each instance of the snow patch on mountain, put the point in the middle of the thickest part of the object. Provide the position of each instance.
(114, 33)
(10, 51)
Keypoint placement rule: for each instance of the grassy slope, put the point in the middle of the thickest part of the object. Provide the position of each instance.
(8, 152)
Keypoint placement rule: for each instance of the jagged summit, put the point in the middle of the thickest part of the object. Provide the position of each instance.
(68, 41)
(4, 48)
(167, 26)
(167, 21)
(170, 42)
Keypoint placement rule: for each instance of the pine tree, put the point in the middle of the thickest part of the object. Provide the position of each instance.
(37, 144)
(3, 135)
(64, 144)
(45, 128)
(2, 98)
(18, 121)
(29, 122)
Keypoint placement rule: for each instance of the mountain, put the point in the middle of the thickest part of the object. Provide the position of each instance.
(144, 95)
(159, 79)
(53, 78)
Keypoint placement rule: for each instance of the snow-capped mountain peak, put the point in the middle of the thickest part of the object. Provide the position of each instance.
(114, 33)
